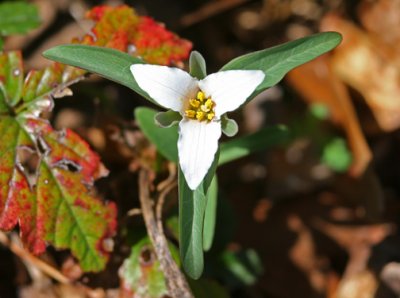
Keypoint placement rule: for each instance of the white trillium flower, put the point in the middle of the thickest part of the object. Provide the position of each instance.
(201, 104)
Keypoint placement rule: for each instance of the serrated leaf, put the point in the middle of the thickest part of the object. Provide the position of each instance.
(210, 214)
(122, 29)
(192, 207)
(11, 80)
(18, 17)
(278, 60)
(55, 205)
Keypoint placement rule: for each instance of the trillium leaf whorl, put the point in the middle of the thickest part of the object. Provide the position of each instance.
(201, 104)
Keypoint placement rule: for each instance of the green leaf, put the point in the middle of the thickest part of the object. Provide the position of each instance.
(1, 44)
(167, 119)
(244, 267)
(337, 155)
(192, 206)
(229, 126)
(320, 111)
(210, 214)
(108, 63)
(165, 139)
(278, 60)
(12, 80)
(204, 288)
(260, 140)
(197, 65)
(18, 17)
(141, 273)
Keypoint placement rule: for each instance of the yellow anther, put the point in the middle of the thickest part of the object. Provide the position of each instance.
(190, 114)
(200, 95)
(194, 103)
(204, 108)
(209, 104)
(200, 108)
(210, 116)
(199, 115)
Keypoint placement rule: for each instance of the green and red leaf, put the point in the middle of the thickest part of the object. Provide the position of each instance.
(53, 202)
(47, 176)
(122, 29)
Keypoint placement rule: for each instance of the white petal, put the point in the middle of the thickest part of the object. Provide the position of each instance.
(197, 144)
(230, 89)
(168, 86)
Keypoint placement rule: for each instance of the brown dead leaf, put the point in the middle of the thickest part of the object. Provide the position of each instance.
(367, 66)
(361, 285)
(317, 83)
(303, 254)
(381, 19)
(391, 276)
(357, 280)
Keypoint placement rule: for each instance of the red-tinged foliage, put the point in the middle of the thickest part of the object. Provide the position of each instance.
(121, 28)
(56, 204)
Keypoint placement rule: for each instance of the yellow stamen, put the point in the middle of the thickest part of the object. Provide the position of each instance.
(200, 108)
(209, 103)
(201, 96)
(204, 108)
(200, 115)
(190, 114)
(194, 103)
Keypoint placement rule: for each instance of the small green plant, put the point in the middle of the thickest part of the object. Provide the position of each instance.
(255, 73)
(47, 176)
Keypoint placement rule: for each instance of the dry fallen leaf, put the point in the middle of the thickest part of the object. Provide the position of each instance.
(367, 66)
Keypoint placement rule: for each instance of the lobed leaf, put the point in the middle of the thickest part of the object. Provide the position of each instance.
(51, 198)
(122, 29)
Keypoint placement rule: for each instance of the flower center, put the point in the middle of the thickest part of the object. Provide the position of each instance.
(201, 108)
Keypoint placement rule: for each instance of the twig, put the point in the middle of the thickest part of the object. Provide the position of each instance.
(171, 177)
(134, 212)
(35, 261)
(209, 10)
(176, 282)
(160, 204)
